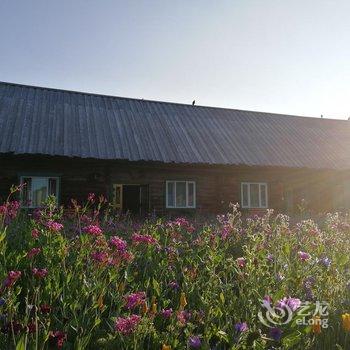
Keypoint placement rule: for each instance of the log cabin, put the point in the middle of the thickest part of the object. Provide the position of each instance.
(168, 158)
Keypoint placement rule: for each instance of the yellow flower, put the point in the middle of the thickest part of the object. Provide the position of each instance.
(183, 301)
(316, 325)
(154, 308)
(166, 347)
(144, 307)
(346, 321)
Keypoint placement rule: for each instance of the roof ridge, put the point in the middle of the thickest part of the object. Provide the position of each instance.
(270, 114)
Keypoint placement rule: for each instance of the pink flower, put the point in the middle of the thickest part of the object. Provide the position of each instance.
(11, 278)
(33, 252)
(241, 262)
(127, 325)
(60, 338)
(100, 257)
(118, 243)
(54, 226)
(39, 273)
(304, 256)
(183, 317)
(93, 230)
(91, 197)
(147, 239)
(35, 233)
(291, 303)
(134, 299)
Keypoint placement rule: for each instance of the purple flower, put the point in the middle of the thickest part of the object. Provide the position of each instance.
(127, 325)
(166, 313)
(275, 333)
(241, 262)
(2, 301)
(326, 262)
(194, 342)
(174, 285)
(118, 243)
(241, 327)
(135, 299)
(270, 257)
(303, 256)
(291, 303)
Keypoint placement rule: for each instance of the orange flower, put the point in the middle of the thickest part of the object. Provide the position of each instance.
(183, 301)
(346, 321)
(166, 347)
(144, 307)
(316, 325)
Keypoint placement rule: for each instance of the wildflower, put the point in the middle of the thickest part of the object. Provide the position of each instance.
(91, 197)
(118, 243)
(154, 308)
(166, 347)
(326, 262)
(11, 278)
(33, 252)
(35, 233)
(291, 303)
(92, 230)
(174, 285)
(54, 226)
(303, 256)
(60, 337)
(39, 273)
(316, 325)
(279, 277)
(135, 299)
(127, 325)
(241, 327)
(2, 301)
(183, 301)
(270, 257)
(31, 327)
(166, 313)
(45, 308)
(144, 307)
(147, 239)
(194, 342)
(275, 333)
(346, 321)
(183, 317)
(241, 262)
(100, 257)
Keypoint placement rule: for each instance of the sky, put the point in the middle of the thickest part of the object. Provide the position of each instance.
(280, 56)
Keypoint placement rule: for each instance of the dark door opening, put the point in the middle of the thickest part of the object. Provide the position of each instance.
(132, 198)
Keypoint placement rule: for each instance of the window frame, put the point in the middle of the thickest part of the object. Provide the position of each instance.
(248, 194)
(180, 207)
(47, 177)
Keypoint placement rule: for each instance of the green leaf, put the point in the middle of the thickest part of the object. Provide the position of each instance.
(21, 345)
(156, 286)
(222, 297)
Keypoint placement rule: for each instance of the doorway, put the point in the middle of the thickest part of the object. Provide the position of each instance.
(131, 198)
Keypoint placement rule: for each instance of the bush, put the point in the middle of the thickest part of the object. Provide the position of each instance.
(86, 278)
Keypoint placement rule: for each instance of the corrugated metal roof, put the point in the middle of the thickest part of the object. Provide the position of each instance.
(35, 120)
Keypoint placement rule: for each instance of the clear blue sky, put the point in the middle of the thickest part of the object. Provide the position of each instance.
(270, 55)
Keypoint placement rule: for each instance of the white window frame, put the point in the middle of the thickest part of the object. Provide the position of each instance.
(248, 187)
(47, 184)
(187, 205)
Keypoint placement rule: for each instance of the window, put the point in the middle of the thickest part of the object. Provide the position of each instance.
(180, 194)
(37, 189)
(254, 195)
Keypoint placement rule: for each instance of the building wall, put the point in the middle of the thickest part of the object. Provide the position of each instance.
(216, 186)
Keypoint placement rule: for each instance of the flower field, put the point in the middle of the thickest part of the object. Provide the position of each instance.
(88, 278)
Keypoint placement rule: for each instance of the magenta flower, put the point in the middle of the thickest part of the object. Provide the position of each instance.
(166, 313)
(174, 285)
(100, 257)
(146, 239)
(54, 226)
(127, 325)
(304, 256)
(39, 273)
(11, 278)
(93, 230)
(241, 262)
(60, 337)
(118, 243)
(241, 327)
(35, 233)
(135, 299)
(33, 252)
